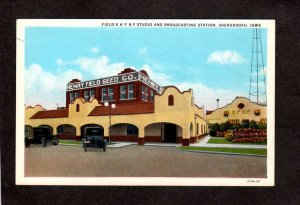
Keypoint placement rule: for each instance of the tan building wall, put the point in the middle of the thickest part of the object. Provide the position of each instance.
(183, 113)
(237, 113)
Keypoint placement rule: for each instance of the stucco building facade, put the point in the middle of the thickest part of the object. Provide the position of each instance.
(144, 111)
(240, 110)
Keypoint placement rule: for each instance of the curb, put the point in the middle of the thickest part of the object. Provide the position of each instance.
(76, 145)
(224, 153)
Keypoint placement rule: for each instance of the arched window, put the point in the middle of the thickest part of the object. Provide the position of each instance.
(171, 100)
(77, 108)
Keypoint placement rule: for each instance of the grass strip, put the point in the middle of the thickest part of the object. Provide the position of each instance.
(71, 142)
(224, 141)
(253, 151)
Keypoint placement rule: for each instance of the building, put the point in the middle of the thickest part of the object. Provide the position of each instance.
(240, 110)
(144, 111)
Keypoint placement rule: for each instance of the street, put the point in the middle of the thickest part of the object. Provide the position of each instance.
(137, 161)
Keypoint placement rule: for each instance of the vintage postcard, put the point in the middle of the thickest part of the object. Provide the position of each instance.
(145, 102)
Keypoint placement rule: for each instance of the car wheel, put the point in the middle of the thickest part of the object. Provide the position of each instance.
(104, 148)
(44, 141)
(55, 141)
(85, 147)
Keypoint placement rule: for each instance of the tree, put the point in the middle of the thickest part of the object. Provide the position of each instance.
(214, 129)
(253, 125)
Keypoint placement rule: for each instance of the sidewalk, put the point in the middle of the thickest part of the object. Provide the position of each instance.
(203, 143)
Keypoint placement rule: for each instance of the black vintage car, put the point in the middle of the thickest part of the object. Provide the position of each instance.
(93, 137)
(40, 135)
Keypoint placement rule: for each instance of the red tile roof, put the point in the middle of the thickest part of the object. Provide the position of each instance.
(209, 112)
(51, 114)
(124, 109)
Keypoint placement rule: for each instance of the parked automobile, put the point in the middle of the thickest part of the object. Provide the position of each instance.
(93, 137)
(41, 135)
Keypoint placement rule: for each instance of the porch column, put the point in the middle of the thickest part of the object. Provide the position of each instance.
(186, 135)
(141, 137)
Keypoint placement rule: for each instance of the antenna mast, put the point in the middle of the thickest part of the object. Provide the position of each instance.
(257, 89)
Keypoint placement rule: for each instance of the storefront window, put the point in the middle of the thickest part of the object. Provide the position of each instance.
(123, 92)
(130, 91)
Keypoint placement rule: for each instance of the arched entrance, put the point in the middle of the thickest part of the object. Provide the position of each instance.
(82, 128)
(124, 132)
(163, 132)
(51, 128)
(66, 131)
(28, 130)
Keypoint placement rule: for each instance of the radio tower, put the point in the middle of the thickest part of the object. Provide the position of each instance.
(257, 89)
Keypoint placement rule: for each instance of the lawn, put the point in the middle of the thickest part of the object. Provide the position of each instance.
(262, 152)
(70, 142)
(224, 141)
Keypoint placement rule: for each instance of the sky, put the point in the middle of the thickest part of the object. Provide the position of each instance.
(214, 62)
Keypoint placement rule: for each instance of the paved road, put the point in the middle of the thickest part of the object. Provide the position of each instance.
(137, 161)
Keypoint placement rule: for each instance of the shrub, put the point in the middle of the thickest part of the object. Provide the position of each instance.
(220, 134)
(262, 125)
(214, 129)
(225, 126)
(228, 135)
(249, 135)
(253, 125)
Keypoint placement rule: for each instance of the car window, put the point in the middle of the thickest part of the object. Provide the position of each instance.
(93, 132)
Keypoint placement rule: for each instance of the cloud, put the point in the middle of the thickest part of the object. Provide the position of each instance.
(94, 50)
(101, 67)
(207, 96)
(45, 88)
(160, 78)
(226, 57)
(142, 51)
(60, 62)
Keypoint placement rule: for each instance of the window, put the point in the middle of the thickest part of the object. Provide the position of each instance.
(86, 95)
(132, 130)
(104, 96)
(77, 108)
(151, 95)
(143, 92)
(89, 94)
(171, 100)
(146, 93)
(130, 91)
(111, 93)
(92, 94)
(71, 97)
(76, 94)
(123, 92)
